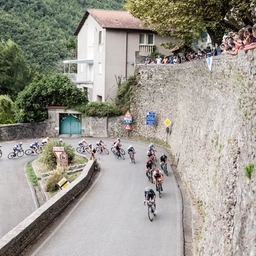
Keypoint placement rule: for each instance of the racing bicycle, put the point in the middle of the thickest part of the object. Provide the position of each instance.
(118, 155)
(150, 175)
(32, 151)
(17, 153)
(159, 187)
(132, 157)
(151, 210)
(121, 150)
(102, 149)
(83, 149)
(164, 168)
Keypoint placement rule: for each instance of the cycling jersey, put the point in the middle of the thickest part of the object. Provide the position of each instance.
(149, 164)
(163, 158)
(33, 145)
(130, 149)
(149, 195)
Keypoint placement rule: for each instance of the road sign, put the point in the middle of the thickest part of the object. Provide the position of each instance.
(58, 151)
(63, 183)
(127, 127)
(128, 117)
(150, 118)
(167, 122)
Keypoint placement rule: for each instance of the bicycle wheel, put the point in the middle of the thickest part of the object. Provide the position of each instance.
(106, 151)
(11, 155)
(20, 153)
(0, 154)
(122, 156)
(87, 150)
(158, 188)
(151, 212)
(112, 149)
(79, 150)
(28, 152)
(122, 151)
(98, 150)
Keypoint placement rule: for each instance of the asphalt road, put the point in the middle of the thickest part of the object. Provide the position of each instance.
(111, 220)
(17, 200)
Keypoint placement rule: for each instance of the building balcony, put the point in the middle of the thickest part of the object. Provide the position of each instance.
(146, 50)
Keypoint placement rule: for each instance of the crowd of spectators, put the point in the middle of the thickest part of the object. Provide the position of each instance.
(244, 39)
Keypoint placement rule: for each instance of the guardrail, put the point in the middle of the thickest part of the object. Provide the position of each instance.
(14, 242)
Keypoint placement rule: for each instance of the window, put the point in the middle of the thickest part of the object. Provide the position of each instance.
(147, 39)
(99, 98)
(100, 37)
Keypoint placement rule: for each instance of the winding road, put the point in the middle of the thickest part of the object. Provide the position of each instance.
(110, 218)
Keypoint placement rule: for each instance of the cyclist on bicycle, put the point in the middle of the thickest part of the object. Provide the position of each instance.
(82, 144)
(17, 147)
(130, 150)
(149, 194)
(151, 151)
(116, 141)
(44, 141)
(149, 166)
(163, 160)
(92, 151)
(34, 146)
(100, 144)
(158, 176)
(117, 146)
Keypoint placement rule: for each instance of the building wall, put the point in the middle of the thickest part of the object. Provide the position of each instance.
(212, 138)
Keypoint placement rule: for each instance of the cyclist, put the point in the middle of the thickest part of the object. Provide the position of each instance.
(116, 141)
(130, 150)
(117, 146)
(17, 147)
(151, 151)
(149, 194)
(149, 165)
(163, 160)
(100, 144)
(92, 151)
(158, 176)
(44, 141)
(34, 146)
(82, 144)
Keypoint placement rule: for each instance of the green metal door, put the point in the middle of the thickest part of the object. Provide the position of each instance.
(70, 124)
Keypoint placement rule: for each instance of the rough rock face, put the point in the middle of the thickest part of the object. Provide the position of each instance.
(213, 140)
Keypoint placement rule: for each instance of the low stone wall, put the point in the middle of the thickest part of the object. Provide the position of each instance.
(14, 242)
(22, 131)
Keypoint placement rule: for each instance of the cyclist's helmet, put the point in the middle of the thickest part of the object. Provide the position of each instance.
(47, 138)
(148, 153)
(90, 145)
(36, 142)
(147, 189)
(157, 170)
(60, 140)
(119, 139)
(163, 154)
(130, 146)
(20, 143)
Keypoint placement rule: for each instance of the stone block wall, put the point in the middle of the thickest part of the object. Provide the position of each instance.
(23, 131)
(212, 138)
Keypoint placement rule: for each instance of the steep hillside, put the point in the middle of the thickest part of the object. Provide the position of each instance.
(44, 28)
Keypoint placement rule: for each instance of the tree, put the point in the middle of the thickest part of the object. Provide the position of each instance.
(47, 90)
(185, 20)
(14, 71)
(7, 110)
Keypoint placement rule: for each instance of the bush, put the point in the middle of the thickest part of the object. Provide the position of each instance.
(48, 157)
(102, 109)
(52, 181)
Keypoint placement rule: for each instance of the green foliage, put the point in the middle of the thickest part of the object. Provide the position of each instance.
(7, 110)
(31, 174)
(155, 54)
(14, 71)
(185, 20)
(125, 92)
(248, 170)
(48, 157)
(44, 91)
(43, 28)
(101, 109)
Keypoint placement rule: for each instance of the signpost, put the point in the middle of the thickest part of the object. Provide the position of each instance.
(127, 121)
(58, 151)
(167, 123)
(127, 127)
(150, 120)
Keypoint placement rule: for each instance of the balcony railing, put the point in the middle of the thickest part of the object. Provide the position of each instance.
(145, 50)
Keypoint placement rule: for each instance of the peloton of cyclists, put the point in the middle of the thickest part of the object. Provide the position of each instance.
(158, 176)
(130, 150)
(17, 147)
(149, 194)
(34, 146)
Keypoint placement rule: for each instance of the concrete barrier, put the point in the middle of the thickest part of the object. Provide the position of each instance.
(14, 242)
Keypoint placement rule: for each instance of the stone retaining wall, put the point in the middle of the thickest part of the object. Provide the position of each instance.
(14, 242)
(212, 138)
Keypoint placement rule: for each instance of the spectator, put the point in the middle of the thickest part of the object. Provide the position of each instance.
(253, 44)
(171, 60)
(147, 61)
(158, 60)
(165, 60)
